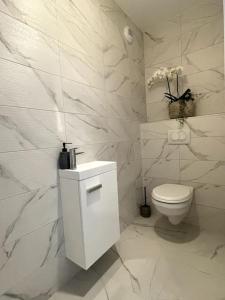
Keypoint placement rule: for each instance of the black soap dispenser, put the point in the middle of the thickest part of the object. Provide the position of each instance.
(64, 157)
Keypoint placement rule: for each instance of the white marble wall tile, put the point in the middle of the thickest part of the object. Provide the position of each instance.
(138, 107)
(122, 129)
(44, 281)
(82, 99)
(20, 258)
(22, 214)
(208, 218)
(209, 86)
(38, 14)
(117, 83)
(25, 171)
(121, 107)
(87, 129)
(23, 129)
(20, 43)
(207, 126)
(81, 67)
(160, 168)
(27, 87)
(113, 21)
(162, 43)
(128, 177)
(121, 152)
(203, 171)
(116, 60)
(159, 149)
(206, 148)
(79, 25)
(203, 34)
(158, 130)
(211, 195)
(204, 59)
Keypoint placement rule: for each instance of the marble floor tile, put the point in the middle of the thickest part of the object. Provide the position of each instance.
(155, 260)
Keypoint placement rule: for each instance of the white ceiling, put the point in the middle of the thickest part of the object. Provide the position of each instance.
(147, 13)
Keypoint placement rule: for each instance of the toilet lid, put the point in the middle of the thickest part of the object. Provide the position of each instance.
(172, 193)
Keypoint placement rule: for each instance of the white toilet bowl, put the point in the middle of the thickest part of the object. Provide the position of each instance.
(173, 201)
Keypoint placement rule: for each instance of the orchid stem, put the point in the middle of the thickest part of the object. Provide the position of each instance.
(168, 83)
(177, 86)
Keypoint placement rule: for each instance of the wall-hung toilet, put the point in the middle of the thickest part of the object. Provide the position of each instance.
(173, 201)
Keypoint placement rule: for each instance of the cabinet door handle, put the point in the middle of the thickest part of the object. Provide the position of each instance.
(94, 188)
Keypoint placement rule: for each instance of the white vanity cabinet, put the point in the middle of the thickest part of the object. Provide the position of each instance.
(89, 198)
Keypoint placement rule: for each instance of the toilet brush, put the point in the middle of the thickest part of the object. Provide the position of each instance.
(145, 210)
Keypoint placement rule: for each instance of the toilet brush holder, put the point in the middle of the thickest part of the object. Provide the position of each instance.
(145, 210)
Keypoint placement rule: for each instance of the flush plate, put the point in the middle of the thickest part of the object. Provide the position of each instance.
(179, 137)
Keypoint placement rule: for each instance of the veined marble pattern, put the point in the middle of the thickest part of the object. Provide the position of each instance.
(39, 14)
(159, 149)
(84, 34)
(17, 259)
(82, 99)
(44, 281)
(203, 171)
(162, 43)
(85, 129)
(160, 168)
(154, 260)
(27, 212)
(67, 74)
(202, 60)
(206, 148)
(27, 87)
(22, 44)
(25, 171)
(81, 67)
(23, 129)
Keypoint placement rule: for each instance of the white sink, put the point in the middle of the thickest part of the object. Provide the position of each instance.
(87, 170)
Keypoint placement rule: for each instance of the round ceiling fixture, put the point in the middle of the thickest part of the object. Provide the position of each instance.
(128, 34)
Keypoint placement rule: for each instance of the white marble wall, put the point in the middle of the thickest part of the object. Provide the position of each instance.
(193, 39)
(66, 74)
(200, 164)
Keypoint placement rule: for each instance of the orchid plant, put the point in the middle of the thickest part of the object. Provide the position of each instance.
(169, 74)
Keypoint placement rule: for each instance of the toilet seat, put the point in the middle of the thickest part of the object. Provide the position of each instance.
(172, 193)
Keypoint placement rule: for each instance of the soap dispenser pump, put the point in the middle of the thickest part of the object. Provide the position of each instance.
(64, 157)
